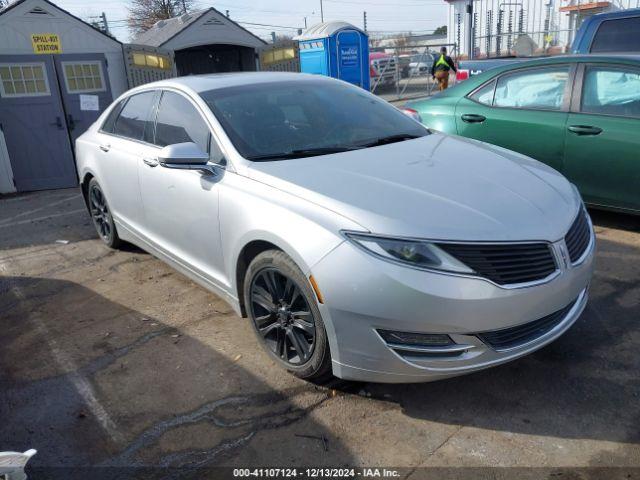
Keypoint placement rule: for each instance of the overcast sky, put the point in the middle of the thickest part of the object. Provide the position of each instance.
(418, 16)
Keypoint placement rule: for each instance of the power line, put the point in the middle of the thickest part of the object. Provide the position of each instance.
(369, 3)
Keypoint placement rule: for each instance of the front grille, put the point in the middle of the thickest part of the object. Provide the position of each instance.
(577, 239)
(515, 336)
(505, 264)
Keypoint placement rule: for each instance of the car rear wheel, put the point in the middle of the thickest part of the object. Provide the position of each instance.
(101, 215)
(283, 311)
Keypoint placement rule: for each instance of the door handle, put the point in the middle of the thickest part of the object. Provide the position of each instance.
(585, 130)
(105, 148)
(152, 162)
(473, 118)
(58, 123)
(71, 122)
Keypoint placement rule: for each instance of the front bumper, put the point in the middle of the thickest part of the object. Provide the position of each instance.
(363, 294)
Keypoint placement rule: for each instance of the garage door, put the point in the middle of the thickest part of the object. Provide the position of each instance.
(33, 122)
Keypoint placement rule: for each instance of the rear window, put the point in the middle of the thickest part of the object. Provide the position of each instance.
(484, 94)
(611, 91)
(621, 35)
(108, 125)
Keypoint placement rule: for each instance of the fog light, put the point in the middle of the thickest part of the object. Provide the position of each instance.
(416, 339)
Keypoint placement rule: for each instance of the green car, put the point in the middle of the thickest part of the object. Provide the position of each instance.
(578, 114)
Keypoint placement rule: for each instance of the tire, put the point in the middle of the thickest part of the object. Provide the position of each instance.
(101, 215)
(274, 274)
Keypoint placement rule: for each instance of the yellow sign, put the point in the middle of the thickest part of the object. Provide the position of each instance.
(46, 43)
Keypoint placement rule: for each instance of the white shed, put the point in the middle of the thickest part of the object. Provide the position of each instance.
(205, 41)
(57, 74)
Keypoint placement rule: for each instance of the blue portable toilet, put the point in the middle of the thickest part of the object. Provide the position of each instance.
(336, 49)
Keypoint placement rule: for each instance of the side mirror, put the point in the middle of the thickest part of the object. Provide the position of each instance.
(187, 153)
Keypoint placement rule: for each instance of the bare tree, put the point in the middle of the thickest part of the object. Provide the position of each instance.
(143, 14)
(283, 38)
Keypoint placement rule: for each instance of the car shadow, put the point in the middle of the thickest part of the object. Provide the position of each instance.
(585, 385)
(96, 388)
(44, 218)
(615, 220)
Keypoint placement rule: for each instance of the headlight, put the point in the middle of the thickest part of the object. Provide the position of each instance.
(413, 253)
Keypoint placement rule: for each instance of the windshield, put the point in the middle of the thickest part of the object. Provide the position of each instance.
(271, 121)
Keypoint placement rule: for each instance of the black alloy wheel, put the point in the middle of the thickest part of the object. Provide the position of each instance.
(282, 316)
(101, 215)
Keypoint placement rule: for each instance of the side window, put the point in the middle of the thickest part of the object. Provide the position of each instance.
(110, 122)
(178, 121)
(134, 116)
(619, 35)
(611, 91)
(484, 94)
(542, 88)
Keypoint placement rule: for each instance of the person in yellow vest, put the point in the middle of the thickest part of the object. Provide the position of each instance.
(441, 67)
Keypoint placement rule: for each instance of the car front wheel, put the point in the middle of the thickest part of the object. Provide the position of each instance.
(283, 311)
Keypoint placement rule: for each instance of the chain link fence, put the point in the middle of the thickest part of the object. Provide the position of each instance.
(399, 73)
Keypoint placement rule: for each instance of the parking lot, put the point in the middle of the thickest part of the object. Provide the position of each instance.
(112, 358)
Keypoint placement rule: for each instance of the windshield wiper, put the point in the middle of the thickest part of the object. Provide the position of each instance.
(400, 137)
(301, 153)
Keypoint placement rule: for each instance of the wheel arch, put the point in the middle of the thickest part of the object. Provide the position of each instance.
(84, 187)
(251, 249)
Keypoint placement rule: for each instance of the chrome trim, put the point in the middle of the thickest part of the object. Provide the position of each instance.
(206, 169)
(456, 348)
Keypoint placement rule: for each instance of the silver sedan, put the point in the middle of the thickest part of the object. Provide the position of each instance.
(358, 243)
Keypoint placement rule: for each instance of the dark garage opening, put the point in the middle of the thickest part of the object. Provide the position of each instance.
(215, 59)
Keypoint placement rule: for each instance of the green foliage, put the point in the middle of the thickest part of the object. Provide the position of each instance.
(440, 30)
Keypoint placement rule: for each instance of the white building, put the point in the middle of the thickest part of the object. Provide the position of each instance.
(549, 24)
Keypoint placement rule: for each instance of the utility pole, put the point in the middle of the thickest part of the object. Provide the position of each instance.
(321, 12)
(364, 20)
(305, 23)
(104, 23)
(469, 33)
(99, 22)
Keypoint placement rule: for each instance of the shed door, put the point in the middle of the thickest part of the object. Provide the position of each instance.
(32, 120)
(85, 89)
(349, 57)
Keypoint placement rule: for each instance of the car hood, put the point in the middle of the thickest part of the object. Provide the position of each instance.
(436, 187)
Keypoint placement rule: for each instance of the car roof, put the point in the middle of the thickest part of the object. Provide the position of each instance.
(214, 81)
(631, 12)
(633, 59)
(591, 57)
